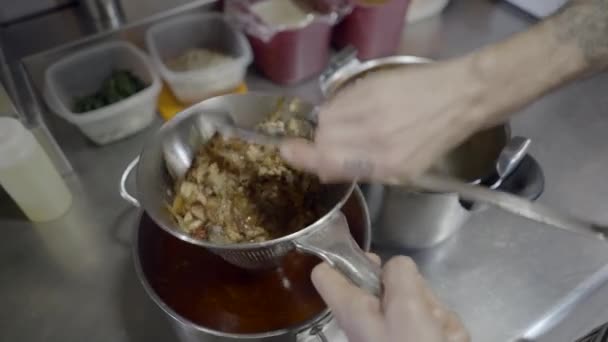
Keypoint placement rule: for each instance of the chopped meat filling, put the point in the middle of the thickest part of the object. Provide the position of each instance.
(237, 192)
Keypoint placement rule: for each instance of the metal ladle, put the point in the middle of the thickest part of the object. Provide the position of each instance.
(509, 158)
(514, 204)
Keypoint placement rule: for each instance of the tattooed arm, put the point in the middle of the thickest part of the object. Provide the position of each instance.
(584, 23)
(570, 44)
(395, 124)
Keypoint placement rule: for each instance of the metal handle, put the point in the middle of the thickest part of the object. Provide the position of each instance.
(527, 180)
(334, 244)
(319, 331)
(318, 334)
(124, 193)
(338, 62)
(514, 204)
(510, 157)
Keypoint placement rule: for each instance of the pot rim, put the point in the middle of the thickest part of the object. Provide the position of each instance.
(353, 67)
(318, 319)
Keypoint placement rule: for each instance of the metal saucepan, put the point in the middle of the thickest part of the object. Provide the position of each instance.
(327, 238)
(207, 299)
(414, 219)
(420, 219)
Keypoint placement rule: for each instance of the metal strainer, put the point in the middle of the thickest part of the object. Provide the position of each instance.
(169, 153)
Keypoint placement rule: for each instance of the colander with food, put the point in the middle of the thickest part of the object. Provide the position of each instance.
(171, 151)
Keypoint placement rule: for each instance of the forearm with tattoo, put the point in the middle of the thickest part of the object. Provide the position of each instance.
(585, 22)
(564, 47)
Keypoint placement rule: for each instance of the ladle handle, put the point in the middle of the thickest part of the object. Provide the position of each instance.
(334, 244)
(514, 204)
(124, 193)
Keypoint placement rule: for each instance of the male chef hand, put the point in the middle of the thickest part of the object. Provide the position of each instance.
(390, 125)
(407, 312)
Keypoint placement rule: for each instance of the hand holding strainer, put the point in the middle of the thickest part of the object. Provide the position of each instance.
(170, 152)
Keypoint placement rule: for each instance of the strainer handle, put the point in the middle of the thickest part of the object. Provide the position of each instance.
(333, 243)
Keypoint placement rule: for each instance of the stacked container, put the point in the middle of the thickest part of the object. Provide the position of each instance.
(290, 48)
(374, 27)
(293, 54)
(82, 74)
(169, 39)
(290, 45)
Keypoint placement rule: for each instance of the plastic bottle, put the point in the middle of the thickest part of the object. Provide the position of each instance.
(29, 176)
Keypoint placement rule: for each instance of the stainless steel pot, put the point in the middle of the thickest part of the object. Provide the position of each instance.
(409, 219)
(151, 246)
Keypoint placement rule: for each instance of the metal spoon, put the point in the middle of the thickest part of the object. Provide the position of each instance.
(223, 123)
(251, 136)
(178, 156)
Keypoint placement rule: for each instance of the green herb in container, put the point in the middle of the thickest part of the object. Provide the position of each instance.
(120, 85)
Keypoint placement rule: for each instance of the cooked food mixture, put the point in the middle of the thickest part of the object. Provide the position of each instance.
(118, 86)
(194, 59)
(240, 192)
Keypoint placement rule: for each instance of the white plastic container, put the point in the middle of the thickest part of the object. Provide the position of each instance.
(83, 73)
(170, 39)
(28, 175)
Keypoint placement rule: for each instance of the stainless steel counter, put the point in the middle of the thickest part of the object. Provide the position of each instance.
(73, 280)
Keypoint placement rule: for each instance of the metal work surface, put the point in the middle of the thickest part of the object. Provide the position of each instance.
(73, 279)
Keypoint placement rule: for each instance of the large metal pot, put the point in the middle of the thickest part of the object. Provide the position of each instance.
(410, 219)
(170, 269)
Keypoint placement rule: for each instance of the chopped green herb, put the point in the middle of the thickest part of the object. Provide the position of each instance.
(120, 85)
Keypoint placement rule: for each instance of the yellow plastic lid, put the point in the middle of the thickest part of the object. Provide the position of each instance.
(169, 105)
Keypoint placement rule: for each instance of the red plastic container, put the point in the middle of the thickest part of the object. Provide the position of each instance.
(373, 29)
(293, 55)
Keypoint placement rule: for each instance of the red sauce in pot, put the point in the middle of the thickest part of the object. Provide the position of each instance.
(212, 293)
(206, 290)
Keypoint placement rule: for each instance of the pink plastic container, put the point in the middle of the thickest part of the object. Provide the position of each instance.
(291, 40)
(293, 55)
(373, 29)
